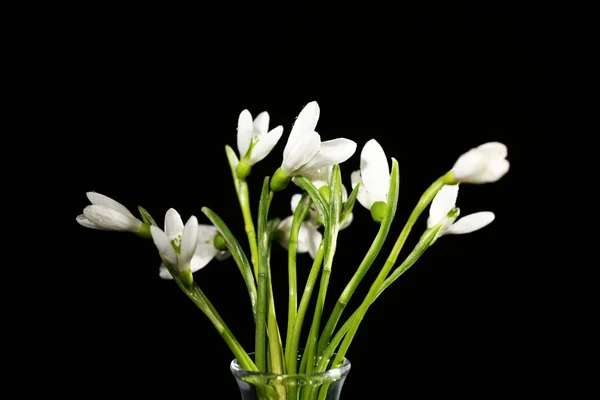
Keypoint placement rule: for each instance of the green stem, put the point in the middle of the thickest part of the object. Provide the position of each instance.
(299, 215)
(244, 198)
(292, 353)
(263, 243)
(332, 227)
(367, 261)
(275, 347)
(424, 201)
(201, 301)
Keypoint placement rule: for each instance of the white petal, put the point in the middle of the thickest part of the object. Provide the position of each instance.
(206, 234)
(202, 256)
(295, 201)
(110, 219)
(319, 177)
(284, 227)
(344, 193)
(314, 240)
(495, 169)
(362, 196)
(163, 244)
(442, 204)
(173, 224)
(261, 123)
(303, 142)
(102, 200)
(494, 149)
(266, 143)
(468, 165)
(470, 223)
(300, 152)
(332, 152)
(83, 221)
(375, 171)
(164, 273)
(244, 132)
(189, 240)
(348, 221)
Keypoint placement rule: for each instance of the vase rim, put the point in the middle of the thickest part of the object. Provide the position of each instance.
(338, 372)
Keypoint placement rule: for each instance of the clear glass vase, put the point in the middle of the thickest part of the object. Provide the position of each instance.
(267, 386)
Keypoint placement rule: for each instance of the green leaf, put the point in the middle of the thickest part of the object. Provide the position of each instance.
(233, 163)
(238, 254)
(349, 205)
(392, 201)
(146, 217)
(315, 195)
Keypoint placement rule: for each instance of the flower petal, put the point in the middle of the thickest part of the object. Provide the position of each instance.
(496, 169)
(303, 142)
(348, 221)
(314, 240)
(202, 256)
(102, 200)
(189, 240)
(263, 147)
(300, 153)
(173, 224)
(261, 124)
(295, 201)
(332, 152)
(470, 223)
(468, 165)
(164, 273)
(284, 227)
(111, 219)
(442, 204)
(375, 171)
(319, 177)
(83, 221)
(494, 149)
(244, 132)
(206, 234)
(163, 244)
(362, 196)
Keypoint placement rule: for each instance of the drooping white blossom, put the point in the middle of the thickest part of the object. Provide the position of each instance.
(305, 154)
(484, 164)
(373, 176)
(107, 214)
(309, 237)
(443, 211)
(254, 140)
(202, 248)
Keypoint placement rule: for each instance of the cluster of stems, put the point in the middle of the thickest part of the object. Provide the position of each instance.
(328, 341)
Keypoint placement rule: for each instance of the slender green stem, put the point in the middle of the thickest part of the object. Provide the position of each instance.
(292, 353)
(367, 261)
(332, 226)
(424, 201)
(263, 243)
(299, 215)
(275, 346)
(244, 198)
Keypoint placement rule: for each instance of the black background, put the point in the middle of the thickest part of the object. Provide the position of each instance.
(511, 306)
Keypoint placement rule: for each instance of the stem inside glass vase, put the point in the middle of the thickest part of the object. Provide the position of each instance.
(268, 386)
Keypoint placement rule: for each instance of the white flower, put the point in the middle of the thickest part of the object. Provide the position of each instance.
(443, 211)
(254, 139)
(107, 214)
(304, 153)
(309, 238)
(373, 176)
(483, 164)
(199, 243)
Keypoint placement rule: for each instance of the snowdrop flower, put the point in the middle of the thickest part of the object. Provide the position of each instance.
(189, 248)
(254, 140)
(443, 211)
(109, 215)
(374, 179)
(305, 154)
(484, 164)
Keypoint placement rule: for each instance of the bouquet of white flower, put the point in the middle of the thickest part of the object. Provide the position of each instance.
(278, 368)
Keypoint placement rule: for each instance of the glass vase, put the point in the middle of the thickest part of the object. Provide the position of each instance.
(268, 386)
